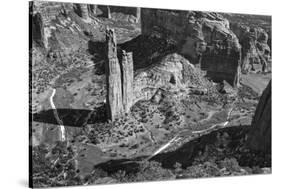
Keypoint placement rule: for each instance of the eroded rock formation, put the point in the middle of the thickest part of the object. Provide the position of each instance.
(127, 80)
(120, 78)
(114, 101)
(172, 72)
(260, 135)
(255, 48)
(202, 37)
(138, 14)
(84, 11)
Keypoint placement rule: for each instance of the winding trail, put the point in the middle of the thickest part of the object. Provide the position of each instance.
(60, 122)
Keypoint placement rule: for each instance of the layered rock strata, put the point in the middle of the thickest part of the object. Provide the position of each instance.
(255, 48)
(204, 38)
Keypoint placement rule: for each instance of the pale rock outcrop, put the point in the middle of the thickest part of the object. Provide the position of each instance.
(119, 78)
(138, 14)
(108, 12)
(127, 80)
(172, 72)
(85, 12)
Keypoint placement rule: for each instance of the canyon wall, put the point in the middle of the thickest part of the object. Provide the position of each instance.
(256, 50)
(204, 38)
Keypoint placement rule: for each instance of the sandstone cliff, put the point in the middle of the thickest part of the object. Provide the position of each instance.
(255, 48)
(173, 72)
(204, 38)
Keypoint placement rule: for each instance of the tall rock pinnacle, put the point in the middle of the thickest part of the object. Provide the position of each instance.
(113, 78)
(127, 80)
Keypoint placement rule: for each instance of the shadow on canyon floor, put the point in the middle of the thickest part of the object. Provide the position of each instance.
(72, 117)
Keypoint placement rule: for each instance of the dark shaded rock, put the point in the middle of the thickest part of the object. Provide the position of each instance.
(260, 134)
(37, 29)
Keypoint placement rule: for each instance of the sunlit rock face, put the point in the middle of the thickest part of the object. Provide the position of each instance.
(255, 48)
(127, 80)
(204, 38)
(173, 72)
(119, 79)
(260, 135)
(113, 78)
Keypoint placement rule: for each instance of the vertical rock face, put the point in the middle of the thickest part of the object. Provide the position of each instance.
(138, 15)
(84, 11)
(108, 12)
(113, 76)
(222, 62)
(37, 29)
(127, 80)
(94, 9)
(260, 134)
(255, 48)
(204, 38)
(43, 14)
